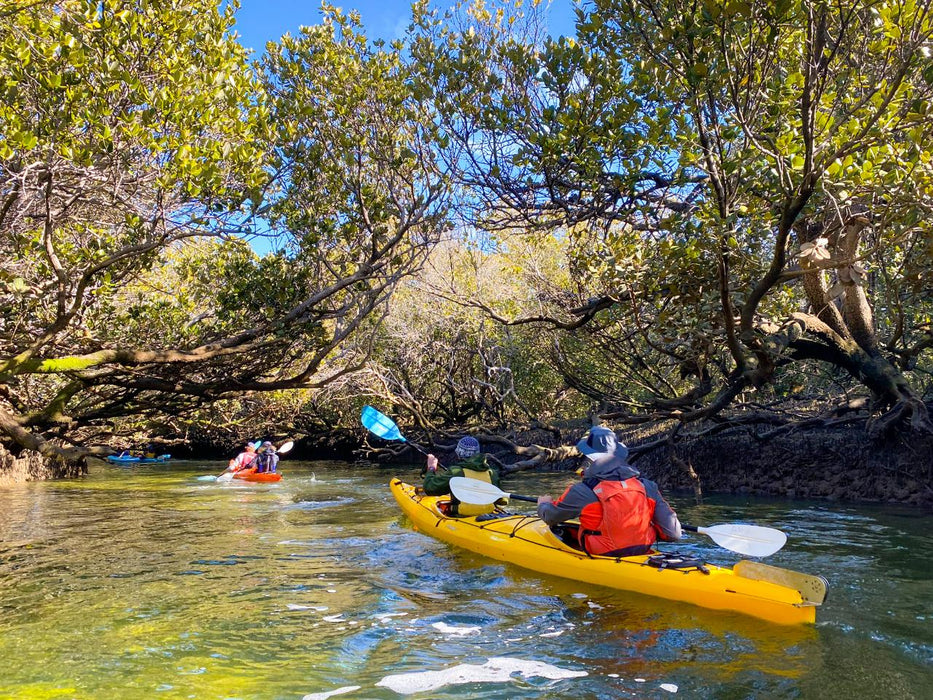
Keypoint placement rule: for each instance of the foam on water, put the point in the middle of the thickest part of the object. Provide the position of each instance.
(498, 669)
(444, 628)
(330, 693)
(386, 617)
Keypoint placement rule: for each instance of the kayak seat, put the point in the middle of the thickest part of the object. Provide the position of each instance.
(567, 533)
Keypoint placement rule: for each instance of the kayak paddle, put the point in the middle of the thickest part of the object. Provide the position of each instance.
(482, 493)
(382, 426)
(750, 540)
(286, 447)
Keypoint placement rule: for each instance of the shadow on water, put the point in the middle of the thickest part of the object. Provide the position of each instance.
(154, 582)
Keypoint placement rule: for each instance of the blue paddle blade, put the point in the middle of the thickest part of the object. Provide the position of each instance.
(381, 425)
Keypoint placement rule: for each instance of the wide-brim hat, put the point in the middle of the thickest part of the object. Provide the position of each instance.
(598, 442)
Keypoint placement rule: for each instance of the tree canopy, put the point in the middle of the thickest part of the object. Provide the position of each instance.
(734, 181)
(139, 146)
(687, 213)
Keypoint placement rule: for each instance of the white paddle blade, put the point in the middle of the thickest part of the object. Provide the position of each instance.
(226, 476)
(480, 493)
(286, 447)
(750, 540)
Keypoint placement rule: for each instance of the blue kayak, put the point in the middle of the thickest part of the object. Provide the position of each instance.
(129, 459)
(160, 458)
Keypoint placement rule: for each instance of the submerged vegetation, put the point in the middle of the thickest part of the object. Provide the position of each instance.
(697, 217)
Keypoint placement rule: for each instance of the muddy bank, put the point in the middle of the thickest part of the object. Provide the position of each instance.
(826, 464)
(834, 464)
(32, 466)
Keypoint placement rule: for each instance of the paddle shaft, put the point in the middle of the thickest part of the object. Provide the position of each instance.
(751, 540)
(693, 528)
(534, 499)
(516, 497)
(417, 447)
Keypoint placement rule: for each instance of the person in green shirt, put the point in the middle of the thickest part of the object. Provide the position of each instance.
(472, 464)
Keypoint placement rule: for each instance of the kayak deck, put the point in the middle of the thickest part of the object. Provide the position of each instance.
(528, 542)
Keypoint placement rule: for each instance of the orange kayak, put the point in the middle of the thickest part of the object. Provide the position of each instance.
(258, 476)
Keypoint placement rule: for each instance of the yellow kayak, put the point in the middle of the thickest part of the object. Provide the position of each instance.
(528, 542)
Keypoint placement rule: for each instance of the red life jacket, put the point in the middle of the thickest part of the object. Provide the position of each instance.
(620, 520)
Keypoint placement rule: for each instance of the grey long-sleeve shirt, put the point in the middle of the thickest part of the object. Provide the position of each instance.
(581, 495)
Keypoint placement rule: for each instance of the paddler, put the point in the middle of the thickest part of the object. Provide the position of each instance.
(267, 459)
(244, 460)
(620, 513)
(473, 464)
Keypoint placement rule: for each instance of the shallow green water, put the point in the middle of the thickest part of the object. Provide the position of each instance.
(150, 582)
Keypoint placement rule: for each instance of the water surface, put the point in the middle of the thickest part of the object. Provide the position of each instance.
(155, 582)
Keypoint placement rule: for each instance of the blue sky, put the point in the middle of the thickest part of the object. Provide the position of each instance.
(261, 21)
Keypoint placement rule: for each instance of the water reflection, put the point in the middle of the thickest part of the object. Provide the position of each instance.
(148, 581)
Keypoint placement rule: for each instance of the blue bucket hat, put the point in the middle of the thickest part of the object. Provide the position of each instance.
(598, 442)
(467, 447)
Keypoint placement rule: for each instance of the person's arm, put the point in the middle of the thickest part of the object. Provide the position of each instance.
(435, 483)
(567, 507)
(665, 519)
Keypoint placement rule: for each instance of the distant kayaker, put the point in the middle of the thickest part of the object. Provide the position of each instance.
(620, 513)
(473, 465)
(266, 458)
(243, 460)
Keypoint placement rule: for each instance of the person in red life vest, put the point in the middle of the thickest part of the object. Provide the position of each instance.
(244, 460)
(620, 513)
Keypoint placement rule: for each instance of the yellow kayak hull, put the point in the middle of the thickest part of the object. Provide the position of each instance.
(528, 542)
